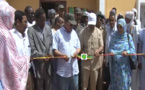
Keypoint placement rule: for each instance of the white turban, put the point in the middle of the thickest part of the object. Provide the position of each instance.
(129, 15)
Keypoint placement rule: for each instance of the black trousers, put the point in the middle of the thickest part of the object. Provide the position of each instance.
(42, 71)
(106, 76)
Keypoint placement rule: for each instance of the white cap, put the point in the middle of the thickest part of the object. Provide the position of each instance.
(92, 19)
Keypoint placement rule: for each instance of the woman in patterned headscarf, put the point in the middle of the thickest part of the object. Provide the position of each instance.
(12, 74)
(120, 67)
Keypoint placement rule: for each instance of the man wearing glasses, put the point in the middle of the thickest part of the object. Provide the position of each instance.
(66, 43)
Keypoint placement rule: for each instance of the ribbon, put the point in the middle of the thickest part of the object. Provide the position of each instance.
(88, 57)
(137, 54)
(50, 57)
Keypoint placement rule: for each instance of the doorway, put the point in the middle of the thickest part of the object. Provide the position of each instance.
(46, 5)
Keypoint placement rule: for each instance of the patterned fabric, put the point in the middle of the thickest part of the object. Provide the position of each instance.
(11, 65)
(120, 66)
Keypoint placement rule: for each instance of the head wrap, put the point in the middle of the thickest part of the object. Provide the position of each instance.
(122, 23)
(13, 71)
(129, 15)
(6, 15)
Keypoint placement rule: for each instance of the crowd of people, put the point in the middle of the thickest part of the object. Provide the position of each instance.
(28, 37)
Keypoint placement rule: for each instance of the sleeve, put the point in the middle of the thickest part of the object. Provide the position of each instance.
(51, 43)
(140, 41)
(82, 40)
(140, 45)
(132, 48)
(104, 35)
(78, 42)
(81, 30)
(139, 24)
(137, 34)
(101, 42)
(111, 46)
(34, 52)
(55, 42)
(141, 36)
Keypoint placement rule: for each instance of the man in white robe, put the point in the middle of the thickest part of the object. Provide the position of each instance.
(133, 30)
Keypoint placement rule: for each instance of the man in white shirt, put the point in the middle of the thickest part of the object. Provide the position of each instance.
(21, 39)
(66, 43)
